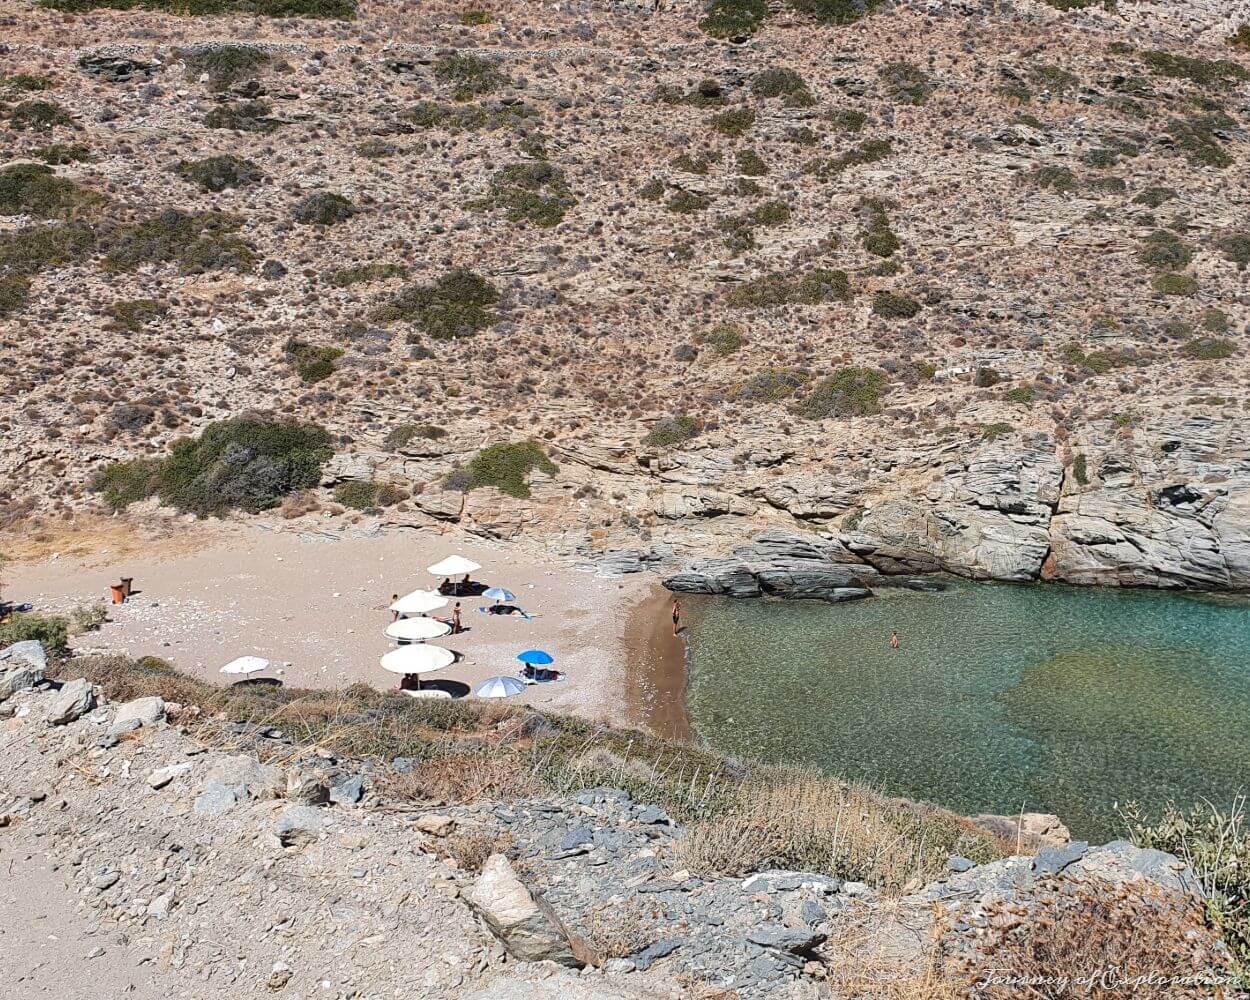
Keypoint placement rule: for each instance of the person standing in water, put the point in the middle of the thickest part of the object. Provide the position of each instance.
(894, 640)
(676, 616)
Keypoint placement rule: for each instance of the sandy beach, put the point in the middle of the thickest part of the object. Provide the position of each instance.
(315, 605)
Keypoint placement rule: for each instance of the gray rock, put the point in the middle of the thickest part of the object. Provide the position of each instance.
(796, 941)
(777, 880)
(348, 791)
(305, 787)
(75, 699)
(812, 913)
(217, 799)
(957, 864)
(19, 678)
(654, 952)
(526, 925)
(162, 776)
(249, 777)
(1053, 860)
(28, 652)
(137, 714)
(579, 836)
(298, 825)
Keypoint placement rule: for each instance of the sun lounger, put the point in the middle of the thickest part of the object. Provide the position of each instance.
(432, 693)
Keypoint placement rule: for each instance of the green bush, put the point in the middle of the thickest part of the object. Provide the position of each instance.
(769, 386)
(225, 63)
(506, 467)
(456, 305)
(51, 630)
(1174, 284)
(1054, 178)
(1216, 844)
(36, 248)
(724, 338)
(868, 151)
(475, 18)
(750, 164)
(848, 392)
(986, 378)
(700, 164)
(244, 463)
(37, 116)
(906, 82)
(313, 363)
(817, 286)
(1154, 197)
(1236, 249)
(992, 432)
(124, 483)
(1208, 349)
(734, 122)
(59, 154)
(338, 10)
(1022, 394)
(707, 93)
(1163, 250)
(1199, 140)
(687, 203)
(1210, 73)
(536, 193)
(363, 494)
(33, 189)
(469, 76)
(345, 277)
(398, 437)
(891, 305)
(777, 82)
(14, 293)
(836, 11)
(653, 190)
(216, 173)
(202, 242)
(770, 213)
(243, 116)
(133, 315)
(848, 119)
(323, 208)
(19, 83)
(1240, 39)
(878, 238)
(733, 18)
(471, 118)
(673, 431)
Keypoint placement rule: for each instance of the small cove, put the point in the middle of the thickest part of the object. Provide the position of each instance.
(1048, 698)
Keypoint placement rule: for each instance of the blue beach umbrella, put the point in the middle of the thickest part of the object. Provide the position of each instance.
(536, 657)
(499, 594)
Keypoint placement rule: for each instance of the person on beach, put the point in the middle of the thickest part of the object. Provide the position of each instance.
(676, 616)
(455, 619)
(894, 640)
(394, 614)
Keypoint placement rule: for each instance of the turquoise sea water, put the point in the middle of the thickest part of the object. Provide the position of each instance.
(1054, 699)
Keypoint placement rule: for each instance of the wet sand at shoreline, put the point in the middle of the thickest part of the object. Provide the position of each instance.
(315, 606)
(655, 683)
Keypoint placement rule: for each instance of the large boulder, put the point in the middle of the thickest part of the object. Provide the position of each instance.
(1030, 830)
(298, 825)
(524, 922)
(28, 653)
(74, 700)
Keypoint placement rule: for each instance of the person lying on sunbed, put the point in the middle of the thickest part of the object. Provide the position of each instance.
(540, 675)
(505, 609)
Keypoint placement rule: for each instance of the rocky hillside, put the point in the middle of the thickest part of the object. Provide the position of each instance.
(174, 850)
(960, 282)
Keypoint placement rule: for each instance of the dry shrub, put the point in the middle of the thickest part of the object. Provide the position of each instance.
(466, 777)
(803, 820)
(470, 848)
(1074, 931)
(617, 931)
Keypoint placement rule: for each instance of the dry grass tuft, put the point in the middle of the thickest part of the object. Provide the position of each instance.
(804, 820)
(466, 777)
(470, 848)
(620, 930)
(1074, 932)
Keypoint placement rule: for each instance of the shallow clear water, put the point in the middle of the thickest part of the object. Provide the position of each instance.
(1051, 699)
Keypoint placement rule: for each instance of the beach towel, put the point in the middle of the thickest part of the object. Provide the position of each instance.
(524, 614)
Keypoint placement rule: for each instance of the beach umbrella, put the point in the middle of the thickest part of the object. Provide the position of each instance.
(454, 566)
(416, 629)
(498, 594)
(417, 660)
(245, 665)
(499, 687)
(536, 657)
(419, 602)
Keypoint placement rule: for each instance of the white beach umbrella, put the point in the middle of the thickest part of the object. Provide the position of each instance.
(416, 629)
(499, 687)
(417, 659)
(419, 602)
(245, 665)
(499, 594)
(454, 566)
